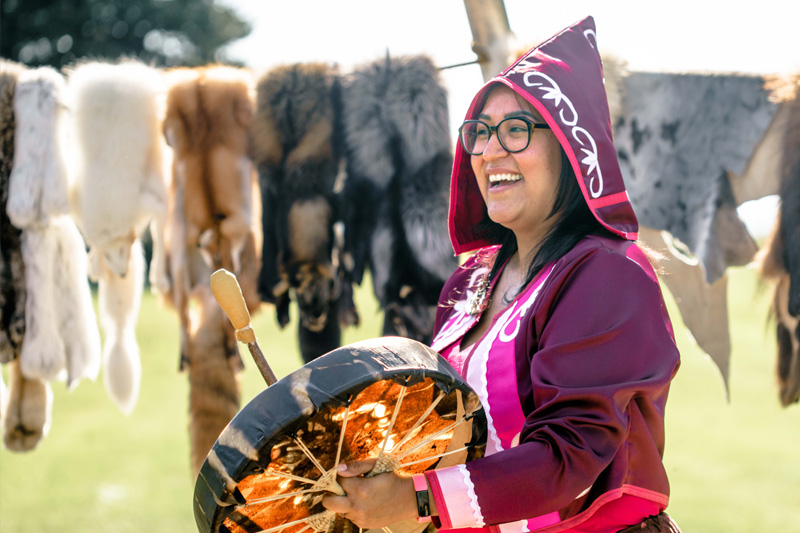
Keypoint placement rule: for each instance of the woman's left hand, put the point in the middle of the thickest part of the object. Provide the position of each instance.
(373, 502)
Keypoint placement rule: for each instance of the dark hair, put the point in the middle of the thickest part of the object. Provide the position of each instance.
(574, 221)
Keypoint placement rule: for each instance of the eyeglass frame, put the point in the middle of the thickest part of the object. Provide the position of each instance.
(493, 130)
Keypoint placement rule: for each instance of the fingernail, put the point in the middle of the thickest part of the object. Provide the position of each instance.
(342, 467)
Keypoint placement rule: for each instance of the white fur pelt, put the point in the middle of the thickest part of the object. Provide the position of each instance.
(61, 340)
(117, 189)
(119, 184)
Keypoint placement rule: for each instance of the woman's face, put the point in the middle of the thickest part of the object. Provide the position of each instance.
(519, 189)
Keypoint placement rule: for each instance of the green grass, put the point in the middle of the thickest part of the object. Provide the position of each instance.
(734, 467)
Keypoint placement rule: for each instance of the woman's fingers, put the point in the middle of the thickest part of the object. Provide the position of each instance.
(356, 468)
(337, 504)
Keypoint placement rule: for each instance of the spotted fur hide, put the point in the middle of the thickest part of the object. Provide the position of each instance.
(678, 137)
(395, 198)
(12, 268)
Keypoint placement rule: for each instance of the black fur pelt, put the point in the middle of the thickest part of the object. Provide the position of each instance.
(12, 268)
(298, 161)
(395, 196)
(790, 202)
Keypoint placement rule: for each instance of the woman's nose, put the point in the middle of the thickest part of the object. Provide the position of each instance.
(493, 149)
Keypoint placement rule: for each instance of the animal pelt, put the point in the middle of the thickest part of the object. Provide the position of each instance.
(61, 337)
(117, 189)
(118, 186)
(679, 138)
(212, 204)
(772, 267)
(214, 389)
(779, 258)
(298, 160)
(395, 197)
(12, 268)
(790, 196)
(25, 410)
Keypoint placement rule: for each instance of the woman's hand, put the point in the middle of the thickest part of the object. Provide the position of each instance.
(374, 502)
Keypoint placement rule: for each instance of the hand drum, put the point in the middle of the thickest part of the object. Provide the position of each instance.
(390, 398)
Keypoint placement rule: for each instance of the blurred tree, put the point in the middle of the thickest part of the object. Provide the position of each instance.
(161, 32)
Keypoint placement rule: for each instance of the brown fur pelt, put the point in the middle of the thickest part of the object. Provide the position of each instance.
(213, 205)
(298, 162)
(208, 116)
(12, 268)
(779, 258)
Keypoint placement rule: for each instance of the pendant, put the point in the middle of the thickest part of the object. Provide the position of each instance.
(478, 302)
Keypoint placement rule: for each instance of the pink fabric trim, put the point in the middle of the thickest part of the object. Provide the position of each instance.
(460, 508)
(620, 508)
(611, 199)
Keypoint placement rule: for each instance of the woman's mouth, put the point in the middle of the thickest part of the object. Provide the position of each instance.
(495, 180)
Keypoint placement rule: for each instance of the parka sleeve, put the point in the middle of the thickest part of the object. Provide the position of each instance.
(599, 340)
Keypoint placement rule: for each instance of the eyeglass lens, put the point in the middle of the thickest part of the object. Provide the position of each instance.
(514, 135)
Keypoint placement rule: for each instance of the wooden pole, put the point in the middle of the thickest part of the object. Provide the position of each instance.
(492, 38)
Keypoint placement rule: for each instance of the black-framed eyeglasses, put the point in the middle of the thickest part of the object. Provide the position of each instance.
(514, 134)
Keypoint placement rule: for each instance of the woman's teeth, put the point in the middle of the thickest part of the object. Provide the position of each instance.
(496, 179)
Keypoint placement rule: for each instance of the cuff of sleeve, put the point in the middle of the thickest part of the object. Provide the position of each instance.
(455, 498)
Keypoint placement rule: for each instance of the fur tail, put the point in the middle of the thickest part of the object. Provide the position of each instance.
(27, 415)
(119, 302)
(214, 389)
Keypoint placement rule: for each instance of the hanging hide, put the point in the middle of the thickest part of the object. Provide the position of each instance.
(117, 190)
(209, 111)
(395, 198)
(678, 136)
(298, 161)
(210, 225)
(779, 259)
(61, 337)
(12, 268)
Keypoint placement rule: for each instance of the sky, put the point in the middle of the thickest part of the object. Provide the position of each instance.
(676, 36)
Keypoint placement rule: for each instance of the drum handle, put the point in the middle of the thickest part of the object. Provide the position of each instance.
(228, 294)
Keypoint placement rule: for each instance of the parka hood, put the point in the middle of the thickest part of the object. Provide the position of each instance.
(562, 78)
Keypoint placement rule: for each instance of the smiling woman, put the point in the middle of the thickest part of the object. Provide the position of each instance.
(556, 321)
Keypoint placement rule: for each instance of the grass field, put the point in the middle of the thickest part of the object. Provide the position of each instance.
(734, 466)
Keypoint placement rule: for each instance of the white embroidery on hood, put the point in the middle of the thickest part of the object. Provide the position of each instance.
(553, 92)
(593, 40)
(590, 160)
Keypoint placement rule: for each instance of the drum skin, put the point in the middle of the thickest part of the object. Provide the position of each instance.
(310, 405)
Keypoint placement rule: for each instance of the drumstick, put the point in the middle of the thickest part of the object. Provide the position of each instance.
(228, 294)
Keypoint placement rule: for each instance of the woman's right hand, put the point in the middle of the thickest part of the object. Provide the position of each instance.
(372, 502)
